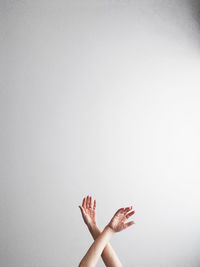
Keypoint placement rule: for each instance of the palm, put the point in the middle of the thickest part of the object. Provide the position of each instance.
(118, 222)
(88, 211)
(89, 216)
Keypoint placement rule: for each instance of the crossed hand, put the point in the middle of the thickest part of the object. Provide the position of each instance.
(118, 221)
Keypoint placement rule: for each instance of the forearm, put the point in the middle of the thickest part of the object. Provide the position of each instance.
(108, 255)
(96, 249)
(94, 231)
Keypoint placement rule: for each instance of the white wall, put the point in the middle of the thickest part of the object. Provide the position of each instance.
(102, 98)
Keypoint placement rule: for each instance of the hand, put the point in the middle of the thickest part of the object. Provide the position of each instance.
(88, 211)
(117, 223)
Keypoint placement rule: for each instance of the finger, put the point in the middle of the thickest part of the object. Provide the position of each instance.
(129, 224)
(87, 202)
(82, 211)
(130, 214)
(83, 203)
(120, 211)
(90, 202)
(95, 203)
(128, 209)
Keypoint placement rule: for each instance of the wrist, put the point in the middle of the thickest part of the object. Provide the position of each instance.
(109, 229)
(92, 226)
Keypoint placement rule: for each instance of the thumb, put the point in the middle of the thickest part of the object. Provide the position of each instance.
(82, 211)
(129, 224)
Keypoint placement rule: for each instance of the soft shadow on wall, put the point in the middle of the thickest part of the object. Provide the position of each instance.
(195, 8)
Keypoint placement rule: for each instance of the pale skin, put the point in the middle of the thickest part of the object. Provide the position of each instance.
(101, 246)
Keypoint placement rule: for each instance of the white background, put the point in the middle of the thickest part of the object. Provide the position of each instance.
(101, 98)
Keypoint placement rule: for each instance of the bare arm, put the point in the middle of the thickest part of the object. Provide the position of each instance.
(93, 254)
(108, 255)
(116, 224)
